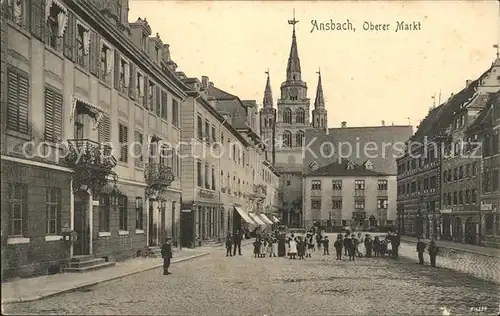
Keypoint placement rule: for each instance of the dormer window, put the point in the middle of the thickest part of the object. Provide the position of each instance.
(369, 165)
(57, 18)
(350, 165)
(313, 166)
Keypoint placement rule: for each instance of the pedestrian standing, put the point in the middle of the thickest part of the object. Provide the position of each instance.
(338, 247)
(396, 241)
(376, 246)
(361, 246)
(301, 247)
(433, 251)
(256, 247)
(353, 247)
(274, 247)
(319, 240)
(420, 250)
(229, 245)
(292, 247)
(326, 246)
(237, 242)
(368, 245)
(347, 243)
(166, 253)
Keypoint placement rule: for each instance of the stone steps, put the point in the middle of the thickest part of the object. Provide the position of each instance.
(81, 264)
(492, 242)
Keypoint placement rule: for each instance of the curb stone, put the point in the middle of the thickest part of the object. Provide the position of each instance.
(89, 284)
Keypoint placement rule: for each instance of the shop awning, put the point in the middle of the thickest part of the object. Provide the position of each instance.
(266, 219)
(275, 219)
(257, 219)
(244, 215)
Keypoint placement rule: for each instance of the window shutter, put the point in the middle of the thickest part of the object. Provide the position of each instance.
(69, 37)
(38, 19)
(58, 105)
(132, 85)
(146, 91)
(158, 101)
(94, 53)
(49, 114)
(137, 148)
(117, 70)
(123, 140)
(104, 132)
(12, 107)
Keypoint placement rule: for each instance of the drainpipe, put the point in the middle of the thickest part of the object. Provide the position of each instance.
(220, 183)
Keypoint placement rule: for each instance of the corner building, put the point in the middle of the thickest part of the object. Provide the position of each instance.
(77, 78)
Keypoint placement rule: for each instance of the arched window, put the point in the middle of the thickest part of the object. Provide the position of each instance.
(300, 116)
(287, 116)
(265, 123)
(270, 122)
(322, 123)
(287, 139)
(299, 138)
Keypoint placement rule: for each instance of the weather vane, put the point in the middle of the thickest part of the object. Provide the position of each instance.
(267, 72)
(498, 50)
(293, 22)
(319, 71)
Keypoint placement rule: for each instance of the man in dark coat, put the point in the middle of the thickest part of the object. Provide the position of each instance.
(433, 251)
(420, 250)
(347, 243)
(237, 242)
(368, 245)
(229, 245)
(166, 253)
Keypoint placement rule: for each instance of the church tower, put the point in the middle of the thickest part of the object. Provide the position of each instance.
(268, 121)
(319, 114)
(293, 111)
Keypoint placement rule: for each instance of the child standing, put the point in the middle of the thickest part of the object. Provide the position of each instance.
(256, 248)
(338, 247)
(229, 245)
(326, 246)
(274, 247)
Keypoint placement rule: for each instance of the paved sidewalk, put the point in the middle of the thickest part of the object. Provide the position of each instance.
(32, 289)
(485, 251)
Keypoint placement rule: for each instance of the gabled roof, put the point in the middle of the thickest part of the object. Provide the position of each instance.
(341, 139)
(337, 169)
(220, 94)
(486, 114)
(442, 116)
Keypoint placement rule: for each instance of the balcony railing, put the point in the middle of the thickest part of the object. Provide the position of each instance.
(158, 176)
(85, 153)
(93, 163)
(204, 193)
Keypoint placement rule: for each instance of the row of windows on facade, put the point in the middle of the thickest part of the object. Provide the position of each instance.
(299, 139)
(457, 197)
(382, 185)
(92, 54)
(458, 173)
(18, 211)
(415, 186)
(300, 116)
(167, 156)
(359, 204)
(206, 176)
(417, 162)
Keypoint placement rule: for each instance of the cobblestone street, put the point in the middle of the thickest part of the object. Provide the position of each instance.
(243, 285)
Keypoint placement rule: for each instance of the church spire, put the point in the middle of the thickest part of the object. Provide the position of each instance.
(319, 102)
(293, 67)
(268, 95)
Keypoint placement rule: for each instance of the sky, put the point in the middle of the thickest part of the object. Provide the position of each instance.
(368, 77)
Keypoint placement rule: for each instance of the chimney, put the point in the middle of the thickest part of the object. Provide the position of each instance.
(204, 82)
(211, 84)
(344, 124)
(467, 83)
(383, 123)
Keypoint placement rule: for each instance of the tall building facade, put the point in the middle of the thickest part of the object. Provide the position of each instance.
(285, 128)
(441, 176)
